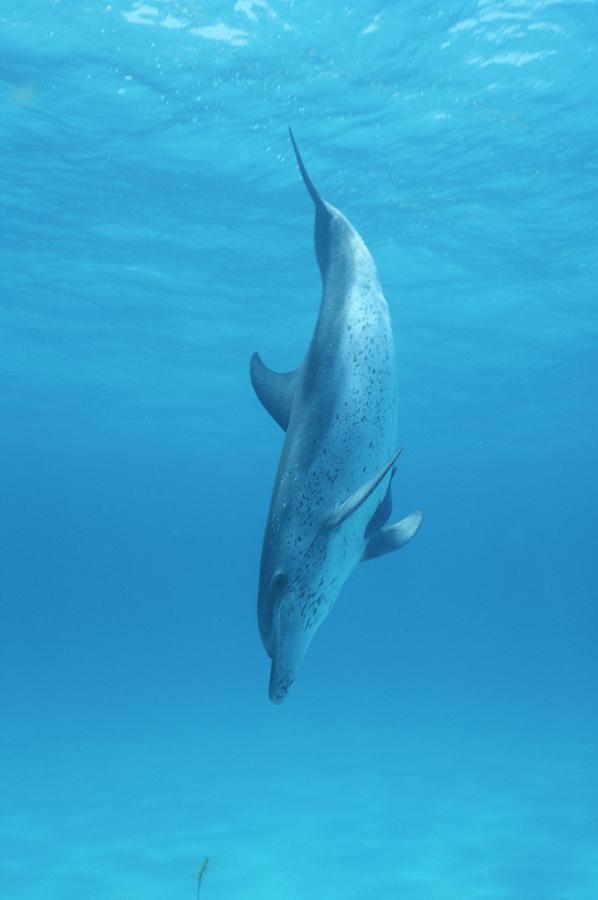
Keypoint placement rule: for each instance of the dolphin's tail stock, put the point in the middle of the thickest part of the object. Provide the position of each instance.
(324, 213)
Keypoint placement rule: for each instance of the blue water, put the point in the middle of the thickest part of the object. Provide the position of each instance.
(441, 740)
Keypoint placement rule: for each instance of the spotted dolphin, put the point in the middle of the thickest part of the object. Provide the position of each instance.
(332, 494)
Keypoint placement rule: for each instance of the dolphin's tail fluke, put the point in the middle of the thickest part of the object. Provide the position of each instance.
(324, 214)
(313, 193)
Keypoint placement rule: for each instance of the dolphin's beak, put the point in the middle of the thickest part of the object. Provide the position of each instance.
(282, 675)
(279, 684)
(289, 643)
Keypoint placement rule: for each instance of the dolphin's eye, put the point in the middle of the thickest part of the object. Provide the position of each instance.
(279, 581)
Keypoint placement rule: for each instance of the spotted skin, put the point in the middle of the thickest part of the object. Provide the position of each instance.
(342, 428)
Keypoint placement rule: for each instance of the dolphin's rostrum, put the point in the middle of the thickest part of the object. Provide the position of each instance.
(332, 495)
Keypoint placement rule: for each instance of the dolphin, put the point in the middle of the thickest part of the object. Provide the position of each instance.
(332, 494)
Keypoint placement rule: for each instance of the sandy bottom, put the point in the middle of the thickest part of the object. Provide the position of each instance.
(335, 819)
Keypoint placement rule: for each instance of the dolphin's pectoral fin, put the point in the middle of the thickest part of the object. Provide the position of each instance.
(344, 510)
(392, 538)
(383, 511)
(275, 390)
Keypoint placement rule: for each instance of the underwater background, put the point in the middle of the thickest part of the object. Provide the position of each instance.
(441, 740)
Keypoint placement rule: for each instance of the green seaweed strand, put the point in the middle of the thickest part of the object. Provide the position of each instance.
(201, 874)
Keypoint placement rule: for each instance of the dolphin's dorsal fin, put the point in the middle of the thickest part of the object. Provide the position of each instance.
(344, 510)
(275, 390)
(392, 538)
